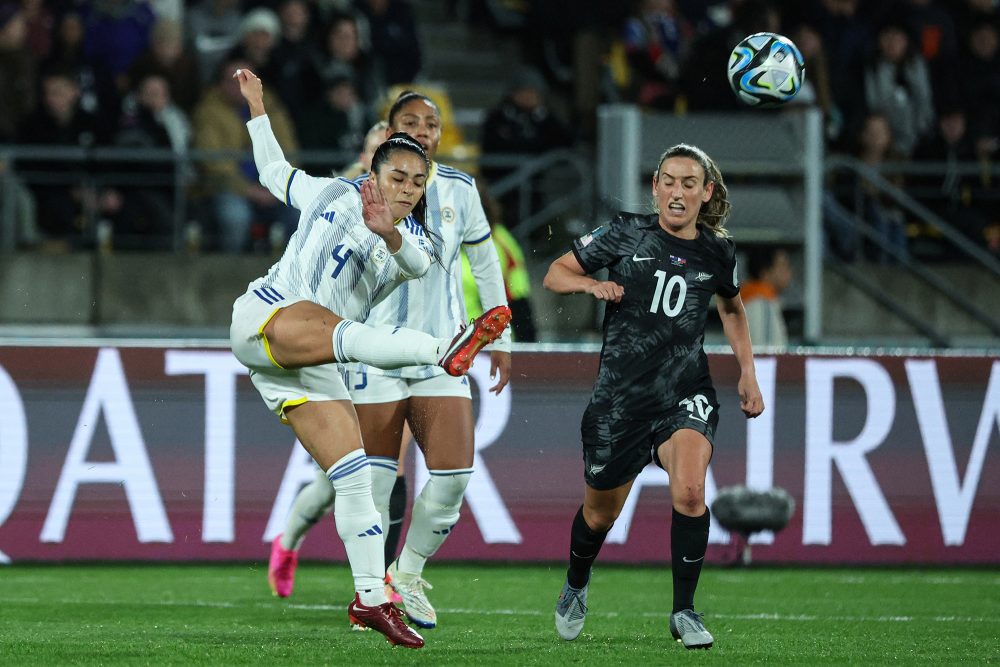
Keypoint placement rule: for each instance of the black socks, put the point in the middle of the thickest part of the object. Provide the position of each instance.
(584, 546)
(688, 542)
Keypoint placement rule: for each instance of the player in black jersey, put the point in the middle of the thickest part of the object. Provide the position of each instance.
(653, 399)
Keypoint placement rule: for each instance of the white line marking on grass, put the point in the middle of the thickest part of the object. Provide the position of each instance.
(806, 618)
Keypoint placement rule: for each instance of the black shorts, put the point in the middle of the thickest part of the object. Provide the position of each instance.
(616, 450)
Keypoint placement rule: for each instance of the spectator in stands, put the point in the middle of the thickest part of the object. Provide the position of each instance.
(298, 85)
(98, 93)
(521, 124)
(876, 146)
(845, 37)
(980, 73)
(656, 41)
(116, 33)
(63, 208)
(212, 27)
(971, 13)
(239, 204)
(703, 79)
(17, 71)
(41, 21)
(394, 40)
(769, 270)
(816, 91)
(952, 195)
(339, 120)
(166, 57)
(151, 121)
(343, 56)
(260, 31)
(933, 30)
(897, 85)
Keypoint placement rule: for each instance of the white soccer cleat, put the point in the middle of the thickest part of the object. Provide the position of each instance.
(687, 627)
(571, 611)
(411, 587)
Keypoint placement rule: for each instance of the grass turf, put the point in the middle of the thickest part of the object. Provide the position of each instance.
(495, 614)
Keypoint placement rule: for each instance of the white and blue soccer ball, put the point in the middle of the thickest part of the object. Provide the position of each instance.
(766, 70)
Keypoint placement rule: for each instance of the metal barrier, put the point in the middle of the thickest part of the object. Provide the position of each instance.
(109, 167)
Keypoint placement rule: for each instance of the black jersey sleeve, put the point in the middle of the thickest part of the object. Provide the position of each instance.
(604, 246)
(729, 283)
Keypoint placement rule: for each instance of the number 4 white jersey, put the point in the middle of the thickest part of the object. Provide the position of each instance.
(332, 258)
(435, 303)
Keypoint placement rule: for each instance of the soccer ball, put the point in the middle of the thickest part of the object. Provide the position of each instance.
(766, 70)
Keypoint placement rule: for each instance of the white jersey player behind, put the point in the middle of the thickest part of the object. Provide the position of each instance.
(289, 328)
(437, 407)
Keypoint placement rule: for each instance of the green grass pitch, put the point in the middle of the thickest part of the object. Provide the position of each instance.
(495, 615)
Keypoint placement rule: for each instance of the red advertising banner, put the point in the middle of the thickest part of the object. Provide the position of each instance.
(149, 453)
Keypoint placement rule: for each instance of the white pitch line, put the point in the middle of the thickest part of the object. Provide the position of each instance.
(806, 618)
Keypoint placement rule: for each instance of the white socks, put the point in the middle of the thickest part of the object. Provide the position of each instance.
(383, 478)
(435, 513)
(384, 346)
(314, 500)
(359, 525)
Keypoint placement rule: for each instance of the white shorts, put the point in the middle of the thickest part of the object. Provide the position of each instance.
(279, 387)
(368, 387)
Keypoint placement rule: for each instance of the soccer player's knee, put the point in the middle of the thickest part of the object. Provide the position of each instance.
(601, 520)
(690, 500)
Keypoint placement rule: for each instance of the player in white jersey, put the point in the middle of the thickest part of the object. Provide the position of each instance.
(437, 407)
(353, 245)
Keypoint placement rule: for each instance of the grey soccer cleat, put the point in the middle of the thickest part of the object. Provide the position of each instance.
(571, 611)
(686, 626)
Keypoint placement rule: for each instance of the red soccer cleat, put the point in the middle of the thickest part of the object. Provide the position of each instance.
(281, 568)
(469, 341)
(384, 618)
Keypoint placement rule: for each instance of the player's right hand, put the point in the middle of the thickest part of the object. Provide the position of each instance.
(251, 88)
(605, 290)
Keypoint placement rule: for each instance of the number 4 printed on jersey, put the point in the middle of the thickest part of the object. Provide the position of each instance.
(341, 260)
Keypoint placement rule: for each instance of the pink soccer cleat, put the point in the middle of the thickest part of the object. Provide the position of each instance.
(281, 569)
(469, 341)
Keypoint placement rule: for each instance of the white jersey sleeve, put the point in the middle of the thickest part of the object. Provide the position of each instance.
(478, 244)
(292, 186)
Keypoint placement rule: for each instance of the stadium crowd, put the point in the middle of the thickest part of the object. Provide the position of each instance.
(896, 81)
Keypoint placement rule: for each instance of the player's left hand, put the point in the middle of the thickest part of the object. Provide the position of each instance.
(751, 402)
(499, 362)
(375, 209)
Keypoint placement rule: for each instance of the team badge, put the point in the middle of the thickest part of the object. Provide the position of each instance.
(447, 215)
(379, 255)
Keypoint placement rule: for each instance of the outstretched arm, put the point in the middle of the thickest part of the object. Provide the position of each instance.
(289, 184)
(567, 276)
(734, 324)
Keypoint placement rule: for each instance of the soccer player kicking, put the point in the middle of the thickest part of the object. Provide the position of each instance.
(437, 407)
(653, 399)
(354, 244)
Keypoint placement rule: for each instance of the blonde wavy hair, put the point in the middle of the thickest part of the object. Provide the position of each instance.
(715, 211)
